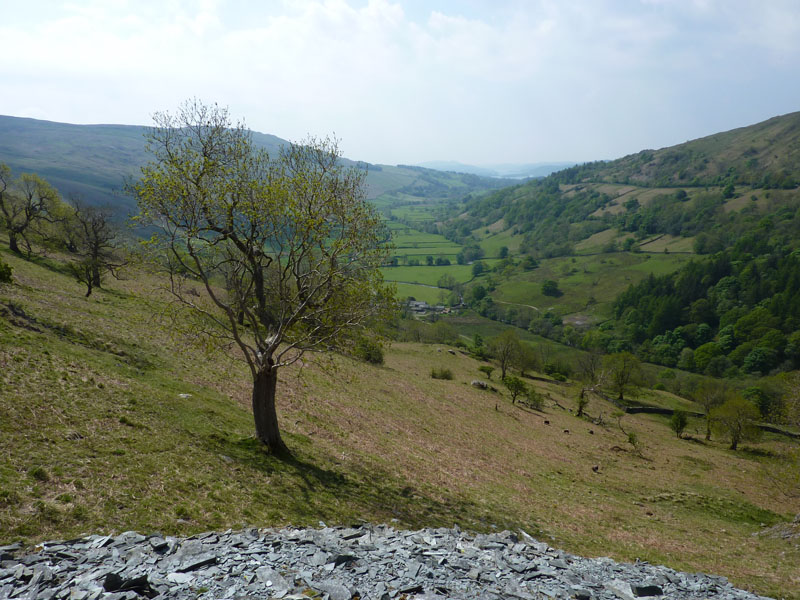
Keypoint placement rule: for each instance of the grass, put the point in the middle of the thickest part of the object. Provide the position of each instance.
(427, 275)
(589, 284)
(109, 421)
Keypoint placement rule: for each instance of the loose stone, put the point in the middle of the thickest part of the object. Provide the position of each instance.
(366, 562)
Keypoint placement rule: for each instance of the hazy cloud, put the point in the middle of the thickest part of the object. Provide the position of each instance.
(418, 80)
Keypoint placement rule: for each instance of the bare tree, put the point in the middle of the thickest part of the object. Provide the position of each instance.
(710, 394)
(525, 358)
(504, 347)
(590, 366)
(624, 372)
(89, 233)
(287, 250)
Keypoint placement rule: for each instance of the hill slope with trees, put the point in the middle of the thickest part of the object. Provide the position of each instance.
(111, 420)
(701, 252)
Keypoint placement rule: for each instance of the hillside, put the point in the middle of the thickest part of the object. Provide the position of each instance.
(705, 253)
(94, 161)
(111, 421)
(766, 155)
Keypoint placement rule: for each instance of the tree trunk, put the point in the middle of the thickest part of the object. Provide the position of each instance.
(266, 418)
(12, 242)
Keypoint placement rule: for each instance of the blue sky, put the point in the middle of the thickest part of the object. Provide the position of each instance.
(409, 81)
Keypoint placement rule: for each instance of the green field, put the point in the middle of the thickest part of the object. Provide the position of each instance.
(420, 292)
(427, 275)
(589, 283)
(492, 242)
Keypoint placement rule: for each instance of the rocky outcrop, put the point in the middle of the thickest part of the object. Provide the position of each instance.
(337, 564)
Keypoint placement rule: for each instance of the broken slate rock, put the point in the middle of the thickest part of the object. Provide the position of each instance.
(373, 562)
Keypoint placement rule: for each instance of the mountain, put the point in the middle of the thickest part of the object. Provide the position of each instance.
(687, 256)
(94, 161)
(766, 155)
(681, 191)
(504, 170)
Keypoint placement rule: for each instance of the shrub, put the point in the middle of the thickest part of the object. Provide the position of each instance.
(441, 373)
(534, 399)
(369, 351)
(5, 272)
(39, 474)
(583, 402)
(678, 422)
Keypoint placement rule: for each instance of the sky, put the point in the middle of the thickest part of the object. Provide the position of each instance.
(405, 81)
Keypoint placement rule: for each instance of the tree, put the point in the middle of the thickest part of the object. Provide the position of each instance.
(710, 394)
(737, 418)
(624, 372)
(287, 249)
(504, 347)
(590, 367)
(88, 231)
(525, 358)
(486, 370)
(550, 288)
(515, 387)
(24, 204)
(447, 281)
(678, 422)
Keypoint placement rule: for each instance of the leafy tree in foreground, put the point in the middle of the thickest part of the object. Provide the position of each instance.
(285, 249)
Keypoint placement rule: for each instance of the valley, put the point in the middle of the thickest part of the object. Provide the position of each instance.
(111, 414)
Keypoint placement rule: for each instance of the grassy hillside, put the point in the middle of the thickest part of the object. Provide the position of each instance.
(110, 421)
(766, 154)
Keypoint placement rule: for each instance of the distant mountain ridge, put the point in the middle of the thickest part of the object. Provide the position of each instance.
(94, 161)
(504, 170)
(91, 161)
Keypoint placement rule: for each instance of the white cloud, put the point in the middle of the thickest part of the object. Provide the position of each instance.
(494, 81)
